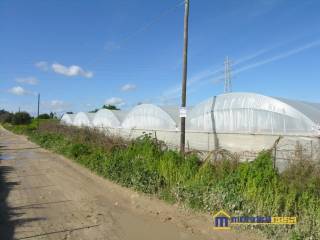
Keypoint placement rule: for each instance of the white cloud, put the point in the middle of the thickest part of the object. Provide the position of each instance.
(56, 106)
(19, 91)
(115, 101)
(42, 65)
(128, 87)
(28, 80)
(71, 71)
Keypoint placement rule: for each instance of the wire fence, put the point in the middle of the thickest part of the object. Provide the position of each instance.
(244, 146)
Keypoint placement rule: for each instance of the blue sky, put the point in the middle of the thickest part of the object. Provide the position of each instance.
(82, 54)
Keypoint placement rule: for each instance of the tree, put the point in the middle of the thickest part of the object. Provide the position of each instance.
(94, 111)
(53, 115)
(44, 116)
(110, 107)
(5, 116)
(69, 112)
(21, 118)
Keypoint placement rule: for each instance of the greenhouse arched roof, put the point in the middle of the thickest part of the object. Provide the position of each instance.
(108, 118)
(311, 110)
(149, 116)
(68, 118)
(83, 119)
(253, 113)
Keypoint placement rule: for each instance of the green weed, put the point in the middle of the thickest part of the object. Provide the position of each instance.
(147, 165)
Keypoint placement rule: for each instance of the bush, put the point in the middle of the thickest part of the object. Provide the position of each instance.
(44, 116)
(20, 118)
(5, 116)
(78, 150)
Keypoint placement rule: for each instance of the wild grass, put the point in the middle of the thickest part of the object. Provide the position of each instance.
(147, 165)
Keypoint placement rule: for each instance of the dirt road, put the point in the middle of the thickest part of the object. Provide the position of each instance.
(45, 196)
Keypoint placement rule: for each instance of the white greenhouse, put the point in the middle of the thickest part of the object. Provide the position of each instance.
(238, 122)
(67, 119)
(106, 118)
(251, 113)
(152, 117)
(83, 119)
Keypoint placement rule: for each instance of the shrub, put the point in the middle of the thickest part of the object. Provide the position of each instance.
(20, 118)
(5, 116)
(44, 116)
(78, 150)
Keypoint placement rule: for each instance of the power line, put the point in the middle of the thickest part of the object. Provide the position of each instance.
(144, 27)
(227, 75)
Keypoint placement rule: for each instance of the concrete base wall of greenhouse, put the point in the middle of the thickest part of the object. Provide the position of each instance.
(246, 146)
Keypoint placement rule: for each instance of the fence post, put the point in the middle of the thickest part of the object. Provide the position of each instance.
(274, 156)
(275, 151)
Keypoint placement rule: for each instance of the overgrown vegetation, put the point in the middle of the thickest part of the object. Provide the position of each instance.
(21, 118)
(5, 116)
(51, 115)
(147, 165)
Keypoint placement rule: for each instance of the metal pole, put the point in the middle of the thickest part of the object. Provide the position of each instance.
(38, 110)
(184, 77)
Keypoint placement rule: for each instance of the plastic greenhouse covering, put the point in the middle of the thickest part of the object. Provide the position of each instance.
(83, 119)
(246, 113)
(68, 119)
(253, 113)
(108, 118)
(149, 116)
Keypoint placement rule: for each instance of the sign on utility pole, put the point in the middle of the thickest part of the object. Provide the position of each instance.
(184, 80)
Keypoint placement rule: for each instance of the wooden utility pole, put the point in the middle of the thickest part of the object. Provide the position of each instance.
(38, 110)
(184, 80)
